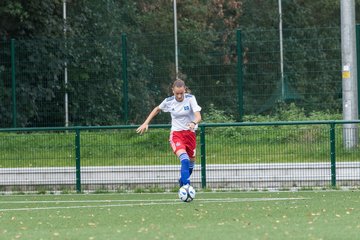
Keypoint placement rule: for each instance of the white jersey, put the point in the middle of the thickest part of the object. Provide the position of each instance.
(182, 113)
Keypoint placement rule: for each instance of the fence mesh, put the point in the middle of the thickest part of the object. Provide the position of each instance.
(311, 74)
(114, 82)
(228, 157)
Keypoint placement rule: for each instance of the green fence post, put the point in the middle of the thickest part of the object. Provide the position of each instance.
(124, 77)
(240, 74)
(13, 83)
(358, 63)
(203, 156)
(333, 154)
(77, 156)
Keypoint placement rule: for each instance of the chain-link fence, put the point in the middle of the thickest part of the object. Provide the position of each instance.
(237, 156)
(106, 81)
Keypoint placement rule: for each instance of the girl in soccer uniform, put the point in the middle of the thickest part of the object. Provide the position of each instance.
(185, 117)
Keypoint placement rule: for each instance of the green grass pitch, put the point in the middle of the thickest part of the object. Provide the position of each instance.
(220, 215)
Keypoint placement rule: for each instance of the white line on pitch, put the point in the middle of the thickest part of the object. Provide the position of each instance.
(152, 202)
(142, 200)
(88, 201)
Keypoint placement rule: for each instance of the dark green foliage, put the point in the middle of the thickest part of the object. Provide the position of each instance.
(92, 51)
(272, 134)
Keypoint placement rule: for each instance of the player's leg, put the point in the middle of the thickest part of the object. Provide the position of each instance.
(185, 167)
(178, 147)
(191, 149)
(191, 165)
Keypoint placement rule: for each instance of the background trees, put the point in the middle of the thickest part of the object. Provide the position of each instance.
(92, 49)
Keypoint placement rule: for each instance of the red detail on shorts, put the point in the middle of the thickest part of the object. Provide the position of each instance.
(183, 140)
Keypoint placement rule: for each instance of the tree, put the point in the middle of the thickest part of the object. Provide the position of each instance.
(92, 50)
(30, 19)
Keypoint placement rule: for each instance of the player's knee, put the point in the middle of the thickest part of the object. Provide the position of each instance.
(179, 152)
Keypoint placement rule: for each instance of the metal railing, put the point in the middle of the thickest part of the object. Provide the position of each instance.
(244, 155)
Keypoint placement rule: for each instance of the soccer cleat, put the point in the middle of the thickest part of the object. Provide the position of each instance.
(181, 183)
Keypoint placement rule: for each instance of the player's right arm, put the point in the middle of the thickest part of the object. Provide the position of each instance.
(144, 127)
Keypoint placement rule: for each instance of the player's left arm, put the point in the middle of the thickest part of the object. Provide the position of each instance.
(196, 109)
(197, 118)
(197, 115)
(196, 121)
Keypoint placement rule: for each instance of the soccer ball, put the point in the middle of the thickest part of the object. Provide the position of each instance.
(187, 193)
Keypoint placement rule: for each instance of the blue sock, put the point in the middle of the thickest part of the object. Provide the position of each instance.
(191, 167)
(184, 171)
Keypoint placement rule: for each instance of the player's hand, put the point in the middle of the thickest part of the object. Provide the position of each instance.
(191, 125)
(143, 128)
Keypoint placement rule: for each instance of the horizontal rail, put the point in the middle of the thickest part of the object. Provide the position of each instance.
(218, 174)
(280, 123)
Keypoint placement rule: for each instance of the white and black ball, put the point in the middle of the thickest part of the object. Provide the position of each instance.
(186, 193)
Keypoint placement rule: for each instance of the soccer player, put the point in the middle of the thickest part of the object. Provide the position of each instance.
(185, 117)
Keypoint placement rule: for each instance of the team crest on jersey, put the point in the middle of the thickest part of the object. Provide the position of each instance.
(186, 108)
